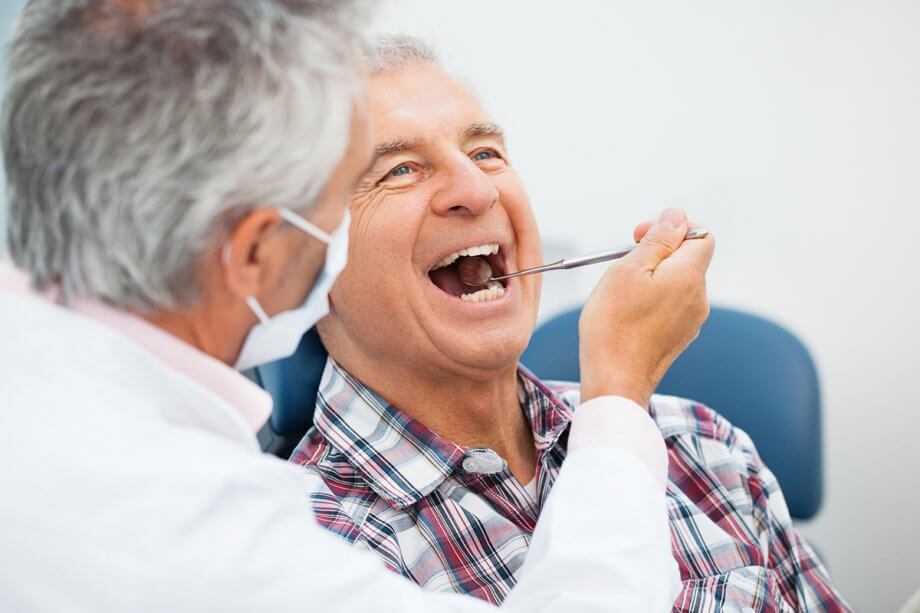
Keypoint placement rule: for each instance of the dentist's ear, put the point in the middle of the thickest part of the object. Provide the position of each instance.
(253, 256)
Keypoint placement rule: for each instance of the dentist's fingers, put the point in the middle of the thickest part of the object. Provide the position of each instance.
(660, 240)
(645, 310)
(643, 227)
(695, 252)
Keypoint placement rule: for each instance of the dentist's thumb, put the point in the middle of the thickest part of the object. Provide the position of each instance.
(661, 240)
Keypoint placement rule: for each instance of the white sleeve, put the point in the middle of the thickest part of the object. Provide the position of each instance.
(619, 423)
(602, 544)
(603, 540)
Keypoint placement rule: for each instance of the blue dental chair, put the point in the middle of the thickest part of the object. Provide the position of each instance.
(750, 370)
(747, 368)
(293, 383)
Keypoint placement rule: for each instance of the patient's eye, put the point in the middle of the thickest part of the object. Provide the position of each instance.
(399, 170)
(403, 174)
(489, 159)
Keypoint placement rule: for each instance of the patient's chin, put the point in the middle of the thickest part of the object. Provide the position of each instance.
(490, 352)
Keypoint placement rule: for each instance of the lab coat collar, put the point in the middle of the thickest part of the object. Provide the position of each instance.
(249, 400)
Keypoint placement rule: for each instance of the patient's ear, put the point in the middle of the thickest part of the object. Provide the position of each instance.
(254, 256)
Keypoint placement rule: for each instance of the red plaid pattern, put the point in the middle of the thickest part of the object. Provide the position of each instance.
(384, 482)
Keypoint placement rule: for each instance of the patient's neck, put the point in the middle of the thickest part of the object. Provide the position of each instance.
(472, 413)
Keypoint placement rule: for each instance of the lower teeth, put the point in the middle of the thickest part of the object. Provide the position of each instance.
(493, 291)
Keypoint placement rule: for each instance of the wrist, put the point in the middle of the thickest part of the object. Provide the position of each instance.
(615, 382)
(624, 368)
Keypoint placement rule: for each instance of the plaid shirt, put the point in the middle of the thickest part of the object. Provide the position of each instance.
(452, 518)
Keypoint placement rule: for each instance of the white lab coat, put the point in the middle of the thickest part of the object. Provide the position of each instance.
(125, 486)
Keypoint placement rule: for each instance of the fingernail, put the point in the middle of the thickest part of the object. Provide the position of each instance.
(672, 217)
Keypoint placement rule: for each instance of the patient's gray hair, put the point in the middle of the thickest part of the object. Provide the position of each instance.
(137, 132)
(394, 52)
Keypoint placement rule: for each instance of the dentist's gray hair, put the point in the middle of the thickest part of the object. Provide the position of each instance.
(137, 132)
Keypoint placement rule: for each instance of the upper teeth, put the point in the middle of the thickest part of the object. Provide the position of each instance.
(490, 249)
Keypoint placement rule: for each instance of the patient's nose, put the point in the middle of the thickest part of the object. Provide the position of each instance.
(466, 191)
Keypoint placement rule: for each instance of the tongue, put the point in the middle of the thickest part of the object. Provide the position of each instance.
(448, 281)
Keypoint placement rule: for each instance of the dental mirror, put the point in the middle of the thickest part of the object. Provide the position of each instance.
(476, 272)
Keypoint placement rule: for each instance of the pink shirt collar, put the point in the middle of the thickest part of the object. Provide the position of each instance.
(253, 403)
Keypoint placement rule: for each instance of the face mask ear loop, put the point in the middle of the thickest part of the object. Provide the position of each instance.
(257, 309)
(251, 300)
(296, 220)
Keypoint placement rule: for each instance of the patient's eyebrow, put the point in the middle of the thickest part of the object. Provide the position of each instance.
(396, 146)
(484, 128)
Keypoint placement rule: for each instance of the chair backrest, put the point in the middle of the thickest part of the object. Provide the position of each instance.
(752, 371)
(293, 383)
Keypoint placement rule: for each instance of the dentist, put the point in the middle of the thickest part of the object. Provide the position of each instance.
(177, 173)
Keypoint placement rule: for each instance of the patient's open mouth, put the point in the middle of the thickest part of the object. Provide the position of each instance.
(445, 275)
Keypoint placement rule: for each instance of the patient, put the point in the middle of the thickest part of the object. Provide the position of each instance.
(432, 447)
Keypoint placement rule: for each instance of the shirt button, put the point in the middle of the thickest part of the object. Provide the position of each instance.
(483, 462)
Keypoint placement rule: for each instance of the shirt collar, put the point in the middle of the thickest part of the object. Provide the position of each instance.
(549, 416)
(400, 458)
(252, 402)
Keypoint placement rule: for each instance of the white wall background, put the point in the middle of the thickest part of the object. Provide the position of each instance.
(792, 129)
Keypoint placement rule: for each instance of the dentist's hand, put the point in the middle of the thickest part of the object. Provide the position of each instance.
(645, 311)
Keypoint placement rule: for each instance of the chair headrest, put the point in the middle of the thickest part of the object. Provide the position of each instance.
(293, 383)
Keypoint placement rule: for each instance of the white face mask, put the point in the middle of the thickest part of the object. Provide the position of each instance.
(274, 338)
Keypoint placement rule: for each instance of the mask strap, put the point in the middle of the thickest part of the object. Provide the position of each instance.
(257, 309)
(296, 220)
